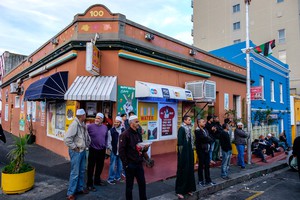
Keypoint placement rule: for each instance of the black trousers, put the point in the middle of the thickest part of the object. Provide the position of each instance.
(203, 164)
(259, 153)
(95, 164)
(137, 171)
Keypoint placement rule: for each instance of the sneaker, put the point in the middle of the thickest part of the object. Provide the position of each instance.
(211, 183)
(111, 182)
(201, 183)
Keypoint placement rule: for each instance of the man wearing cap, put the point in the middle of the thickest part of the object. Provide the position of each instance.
(132, 158)
(98, 134)
(115, 167)
(78, 140)
(240, 141)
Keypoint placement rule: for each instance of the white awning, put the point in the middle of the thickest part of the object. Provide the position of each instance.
(93, 88)
(144, 89)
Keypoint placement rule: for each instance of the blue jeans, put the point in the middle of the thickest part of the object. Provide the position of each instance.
(212, 146)
(115, 167)
(226, 157)
(78, 164)
(240, 148)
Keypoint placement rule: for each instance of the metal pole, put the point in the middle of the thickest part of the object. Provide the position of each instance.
(249, 125)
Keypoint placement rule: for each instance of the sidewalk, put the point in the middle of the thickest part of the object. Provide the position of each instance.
(52, 173)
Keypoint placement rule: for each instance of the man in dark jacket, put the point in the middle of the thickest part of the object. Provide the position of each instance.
(217, 132)
(296, 151)
(132, 158)
(240, 141)
(203, 141)
(226, 151)
(211, 131)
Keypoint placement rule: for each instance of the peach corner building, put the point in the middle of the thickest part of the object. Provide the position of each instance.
(127, 67)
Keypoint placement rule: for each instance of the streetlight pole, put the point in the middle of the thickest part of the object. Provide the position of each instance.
(249, 125)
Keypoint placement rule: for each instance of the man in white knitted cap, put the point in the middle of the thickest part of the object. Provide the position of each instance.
(240, 141)
(115, 167)
(98, 133)
(132, 158)
(78, 140)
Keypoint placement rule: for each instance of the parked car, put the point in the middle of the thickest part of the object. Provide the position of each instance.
(289, 160)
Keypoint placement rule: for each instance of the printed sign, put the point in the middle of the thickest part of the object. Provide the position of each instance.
(165, 93)
(126, 99)
(256, 93)
(166, 115)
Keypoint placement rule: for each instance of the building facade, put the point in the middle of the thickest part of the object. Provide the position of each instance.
(128, 67)
(270, 95)
(217, 24)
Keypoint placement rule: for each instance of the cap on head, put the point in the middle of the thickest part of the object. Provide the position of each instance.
(132, 117)
(80, 111)
(239, 124)
(269, 135)
(118, 118)
(100, 115)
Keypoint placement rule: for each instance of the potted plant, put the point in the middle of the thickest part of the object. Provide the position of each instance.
(17, 176)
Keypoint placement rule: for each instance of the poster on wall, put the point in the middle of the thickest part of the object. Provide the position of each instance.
(168, 119)
(29, 110)
(33, 111)
(147, 114)
(126, 100)
(70, 113)
(226, 101)
(43, 112)
(22, 121)
(6, 112)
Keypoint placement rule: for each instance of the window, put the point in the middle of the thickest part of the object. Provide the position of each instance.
(281, 92)
(261, 83)
(236, 26)
(280, 1)
(237, 105)
(281, 36)
(236, 41)
(282, 56)
(272, 91)
(17, 102)
(236, 8)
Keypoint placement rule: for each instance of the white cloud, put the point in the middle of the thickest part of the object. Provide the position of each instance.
(28, 24)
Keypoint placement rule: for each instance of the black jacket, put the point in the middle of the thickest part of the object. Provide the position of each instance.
(127, 147)
(225, 141)
(203, 140)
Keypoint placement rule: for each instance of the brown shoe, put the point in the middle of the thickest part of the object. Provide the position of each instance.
(71, 197)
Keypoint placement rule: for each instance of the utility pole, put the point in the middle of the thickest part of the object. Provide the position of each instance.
(249, 125)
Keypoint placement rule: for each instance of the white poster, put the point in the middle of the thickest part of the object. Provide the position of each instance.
(226, 101)
(33, 111)
(6, 112)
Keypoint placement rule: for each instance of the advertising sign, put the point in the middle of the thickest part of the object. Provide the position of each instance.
(126, 100)
(166, 114)
(70, 113)
(148, 120)
(92, 63)
(256, 93)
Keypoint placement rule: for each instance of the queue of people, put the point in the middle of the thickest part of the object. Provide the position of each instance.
(127, 157)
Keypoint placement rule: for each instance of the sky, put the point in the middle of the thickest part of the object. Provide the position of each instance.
(28, 24)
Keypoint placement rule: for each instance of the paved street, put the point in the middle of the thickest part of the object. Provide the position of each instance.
(283, 184)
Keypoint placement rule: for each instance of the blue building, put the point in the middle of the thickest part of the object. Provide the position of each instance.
(270, 76)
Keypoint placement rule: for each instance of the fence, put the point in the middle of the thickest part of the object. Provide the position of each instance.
(264, 130)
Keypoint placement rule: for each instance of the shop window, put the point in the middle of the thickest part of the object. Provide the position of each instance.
(56, 123)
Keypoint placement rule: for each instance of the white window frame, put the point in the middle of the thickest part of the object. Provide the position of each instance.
(236, 26)
(236, 8)
(262, 84)
(281, 36)
(17, 102)
(272, 87)
(281, 92)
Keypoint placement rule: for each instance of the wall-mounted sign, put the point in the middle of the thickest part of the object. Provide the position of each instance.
(256, 93)
(92, 63)
(166, 114)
